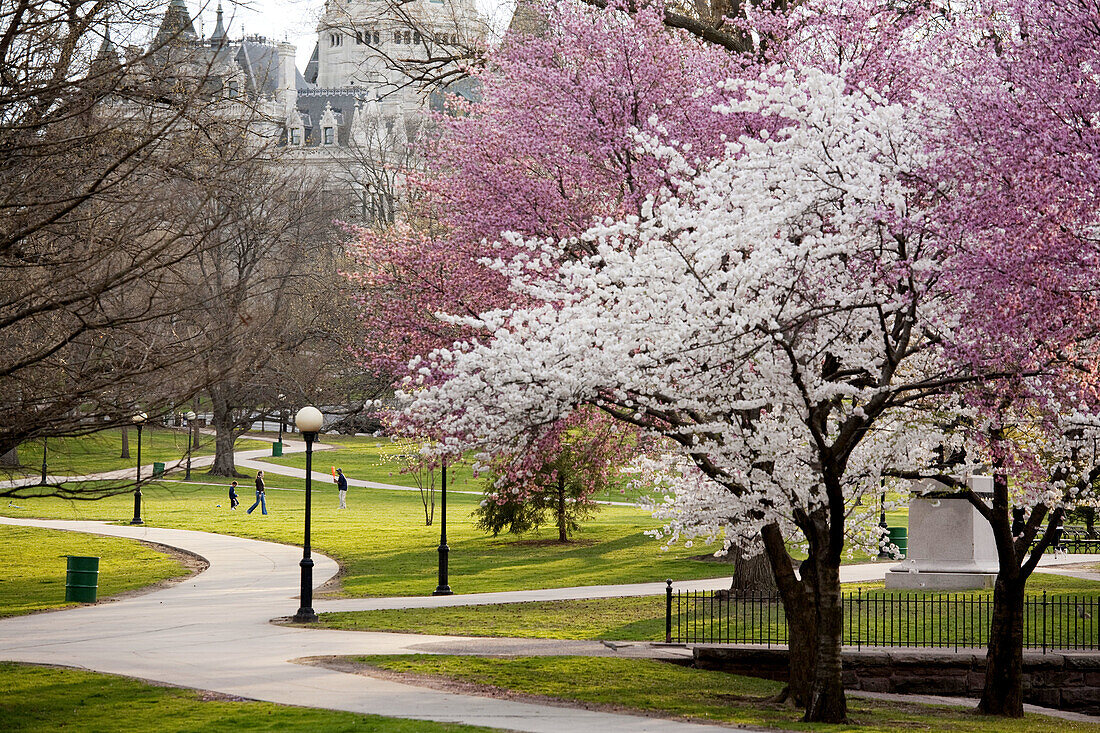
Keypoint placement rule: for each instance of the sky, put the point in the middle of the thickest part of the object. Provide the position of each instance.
(282, 20)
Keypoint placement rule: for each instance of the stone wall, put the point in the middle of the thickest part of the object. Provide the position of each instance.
(1068, 681)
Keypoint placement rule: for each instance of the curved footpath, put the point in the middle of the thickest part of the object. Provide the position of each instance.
(213, 632)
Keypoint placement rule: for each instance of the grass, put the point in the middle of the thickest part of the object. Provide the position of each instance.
(32, 577)
(384, 546)
(376, 459)
(98, 452)
(620, 619)
(49, 699)
(671, 690)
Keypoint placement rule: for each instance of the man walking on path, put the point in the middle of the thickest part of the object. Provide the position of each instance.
(259, 493)
(342, 485)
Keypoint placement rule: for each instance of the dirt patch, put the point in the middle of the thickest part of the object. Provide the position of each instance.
(553, 543)
(334, 586)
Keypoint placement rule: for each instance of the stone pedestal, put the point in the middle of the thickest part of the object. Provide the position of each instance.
(951, 546)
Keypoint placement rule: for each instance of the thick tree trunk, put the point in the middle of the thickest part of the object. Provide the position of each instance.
(224, 437)
(125, 442)
(10, 457)
(751, 574)
(799, 611)
(1004, 660)
(563, 535)
(827, 702)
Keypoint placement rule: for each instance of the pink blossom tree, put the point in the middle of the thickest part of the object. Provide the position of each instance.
(770, 312)
(1019, 166)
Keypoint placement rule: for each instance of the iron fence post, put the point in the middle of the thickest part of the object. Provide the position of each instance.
(668, 611)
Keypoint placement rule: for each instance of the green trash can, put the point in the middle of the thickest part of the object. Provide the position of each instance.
(899, 536)
(158, 468)
(81, 578)
(276, 449)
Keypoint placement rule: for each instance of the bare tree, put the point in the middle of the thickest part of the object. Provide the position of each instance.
(103, 158)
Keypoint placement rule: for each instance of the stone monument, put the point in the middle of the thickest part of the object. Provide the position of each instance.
(951, 546)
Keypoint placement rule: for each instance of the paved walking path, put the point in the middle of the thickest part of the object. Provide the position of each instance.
(212, 632)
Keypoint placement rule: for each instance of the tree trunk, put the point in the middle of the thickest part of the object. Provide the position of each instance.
(125, 442)
(751, 574)
(827, 703)
(799, 611)
(10, 457)
(1004, 660)
(563, 535)
(224, 437)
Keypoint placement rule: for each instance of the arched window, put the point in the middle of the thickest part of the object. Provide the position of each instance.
(330, 135)
(232, 89)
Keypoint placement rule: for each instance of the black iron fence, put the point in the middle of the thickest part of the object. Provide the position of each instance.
(883, 618)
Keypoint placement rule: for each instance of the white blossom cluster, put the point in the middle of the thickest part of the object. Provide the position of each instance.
(768, 314)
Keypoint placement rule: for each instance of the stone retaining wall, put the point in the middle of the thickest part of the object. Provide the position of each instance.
(1068, 681)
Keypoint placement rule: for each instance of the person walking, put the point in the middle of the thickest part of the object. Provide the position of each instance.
(233, 500)
(342, 485)
(260, 501)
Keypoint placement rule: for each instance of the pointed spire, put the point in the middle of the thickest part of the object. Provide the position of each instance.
(218, 38)
(176, 27)
(107, 53)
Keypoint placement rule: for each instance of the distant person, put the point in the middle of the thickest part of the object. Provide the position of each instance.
(260, 501)
(233, 500)
(342, 485)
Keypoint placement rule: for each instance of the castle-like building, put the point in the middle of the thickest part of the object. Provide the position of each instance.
(350, 115)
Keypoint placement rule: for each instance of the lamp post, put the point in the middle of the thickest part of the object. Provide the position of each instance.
(882, 553)
(190, 417)
(44, 441)
(309, 421)
(138, 420)
(281, 418)
(443, 589)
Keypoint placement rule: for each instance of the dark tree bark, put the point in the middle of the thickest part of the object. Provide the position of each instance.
(10, 457)
(225, 434)
(751, 574)
(1004, 661)
(125, 442)
(799, 611)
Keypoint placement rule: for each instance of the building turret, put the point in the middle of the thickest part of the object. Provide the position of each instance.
(176, 27)
(218, 37)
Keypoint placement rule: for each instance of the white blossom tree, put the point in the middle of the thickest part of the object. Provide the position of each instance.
(774, 313)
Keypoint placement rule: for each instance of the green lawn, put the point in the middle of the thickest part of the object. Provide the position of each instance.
(672, 690)
(32, 576)
(620, 619)
(384, 546)
(100, 451)
(376, 459)
(47, 699)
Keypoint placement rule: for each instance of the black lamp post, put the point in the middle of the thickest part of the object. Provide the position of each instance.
(44, 441)
(282, 419)
(443, 589)
(139, 420)
(309, 421)
(190, 417)
(882, 553)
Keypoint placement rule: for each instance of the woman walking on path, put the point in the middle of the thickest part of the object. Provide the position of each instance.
(260, 501)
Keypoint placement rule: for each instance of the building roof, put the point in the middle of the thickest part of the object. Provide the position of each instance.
(176, 26)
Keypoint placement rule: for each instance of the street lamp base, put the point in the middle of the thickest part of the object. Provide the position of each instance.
(305, 616)
(443, 590)
(135, 520)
